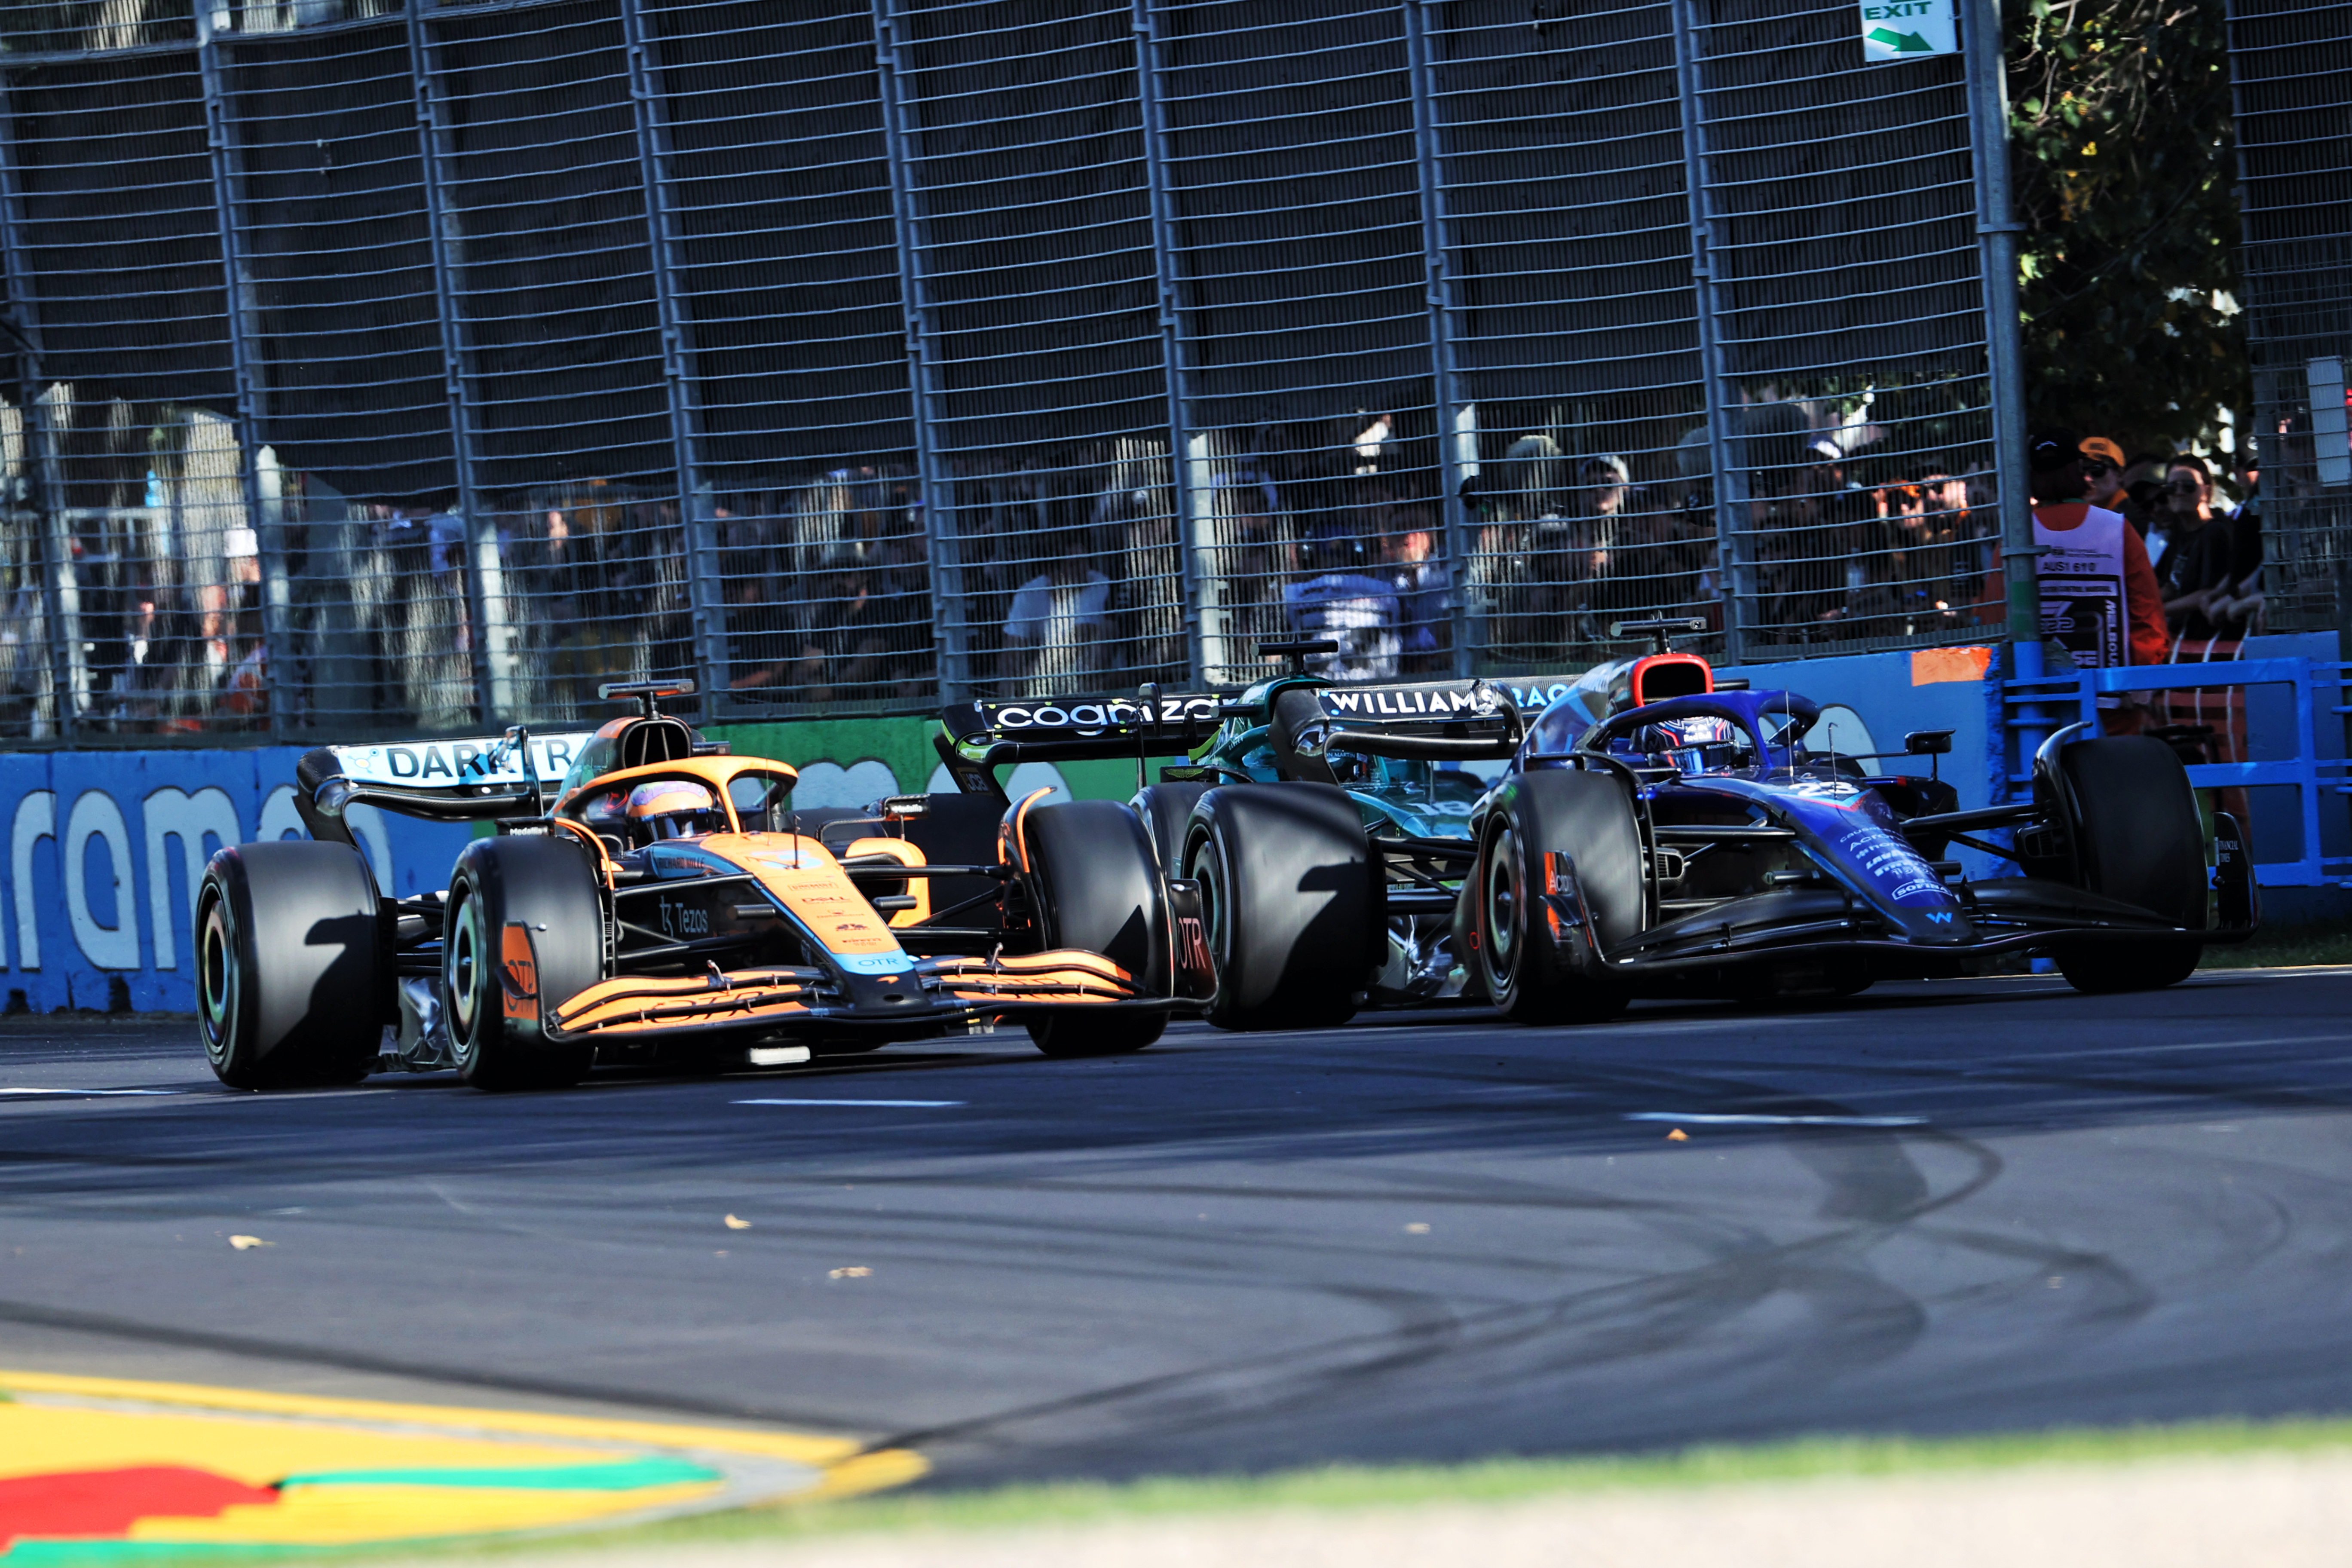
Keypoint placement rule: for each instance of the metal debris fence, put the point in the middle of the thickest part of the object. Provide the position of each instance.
(418, 367)
(2291, 69)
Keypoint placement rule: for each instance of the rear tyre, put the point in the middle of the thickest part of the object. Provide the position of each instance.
(292, 978)
(524, 934)
(1528, 962)
(1166, 809)
(1096, 886)
(1292, 903)
(2133, 820)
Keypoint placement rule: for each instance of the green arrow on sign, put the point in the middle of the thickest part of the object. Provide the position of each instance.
(1901, 43)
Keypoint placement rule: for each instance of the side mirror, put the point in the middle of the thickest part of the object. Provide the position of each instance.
(906, 807)
(1928, 743)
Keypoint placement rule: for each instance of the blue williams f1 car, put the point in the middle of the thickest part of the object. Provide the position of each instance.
(1692, 840)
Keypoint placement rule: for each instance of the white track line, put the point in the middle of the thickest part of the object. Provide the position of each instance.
(1760, 1119)
(90, 1091)
(887, 1102)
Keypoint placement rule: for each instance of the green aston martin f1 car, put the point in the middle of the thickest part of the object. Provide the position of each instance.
(1315, 833)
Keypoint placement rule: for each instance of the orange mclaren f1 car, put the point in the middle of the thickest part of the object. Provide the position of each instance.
(668, 904)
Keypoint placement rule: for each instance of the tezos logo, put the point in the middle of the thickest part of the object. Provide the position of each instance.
(684, 919)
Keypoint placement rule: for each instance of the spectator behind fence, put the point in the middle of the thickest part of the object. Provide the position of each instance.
(1059, 623)
(846, 655)
(2198, 565)
(761, 646)
(1570, 557)
(2240, 608)
(245, 694)
(2099, 596)
(1344, 604)
(2142, 499)
(1900, 580)
(1419, 583)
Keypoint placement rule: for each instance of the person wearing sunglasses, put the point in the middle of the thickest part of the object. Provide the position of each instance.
(2198, 564)
(2103, 473)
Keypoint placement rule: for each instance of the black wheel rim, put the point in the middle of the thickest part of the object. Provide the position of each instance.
(216, 979)
(1505, 896)
(1205, 870)
(464, 976)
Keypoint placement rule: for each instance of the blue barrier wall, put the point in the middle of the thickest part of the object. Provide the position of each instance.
(105, 849)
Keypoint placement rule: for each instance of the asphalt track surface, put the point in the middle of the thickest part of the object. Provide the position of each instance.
(2000, 1206)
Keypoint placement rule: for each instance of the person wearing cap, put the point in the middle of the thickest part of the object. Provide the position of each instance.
(2103, 473)
(2099, 596)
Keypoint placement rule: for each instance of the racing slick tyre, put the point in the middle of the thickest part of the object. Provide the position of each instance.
(525, 932)
(1165, 809)
(1526, 960)
(2132, 816)
(293, 980)
(1291, 901)
(1095, 885)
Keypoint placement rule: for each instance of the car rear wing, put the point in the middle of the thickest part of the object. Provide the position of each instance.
(477, 779)
(1432, 721)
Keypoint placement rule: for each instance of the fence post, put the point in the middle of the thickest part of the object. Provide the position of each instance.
(1726, 451)
(697, 510)
(1194, 490)
(951, 631)
(493, 651)
(1437, 251)
(44, 484)
(238, 294)
(1996, 232)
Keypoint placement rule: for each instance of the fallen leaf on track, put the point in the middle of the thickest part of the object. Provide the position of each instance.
(248, 1243)
(734, 1224)
(1678, 1136)
(1416, 1228)
(856, 1271)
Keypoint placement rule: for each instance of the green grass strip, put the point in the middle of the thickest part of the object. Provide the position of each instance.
(2286, 947)
(1335, 1489)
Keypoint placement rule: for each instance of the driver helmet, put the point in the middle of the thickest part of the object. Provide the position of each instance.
(1683, 740)
(1702, 731)
(674, 808)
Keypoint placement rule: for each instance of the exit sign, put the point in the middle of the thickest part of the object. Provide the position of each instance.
(1907, 30)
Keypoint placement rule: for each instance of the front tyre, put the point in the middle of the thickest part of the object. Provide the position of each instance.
(2132, 818)
(524, 934)
(292, 978)
(1555, 838)
(1095, 885)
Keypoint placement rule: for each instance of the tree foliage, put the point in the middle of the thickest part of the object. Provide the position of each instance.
(2122, 160)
